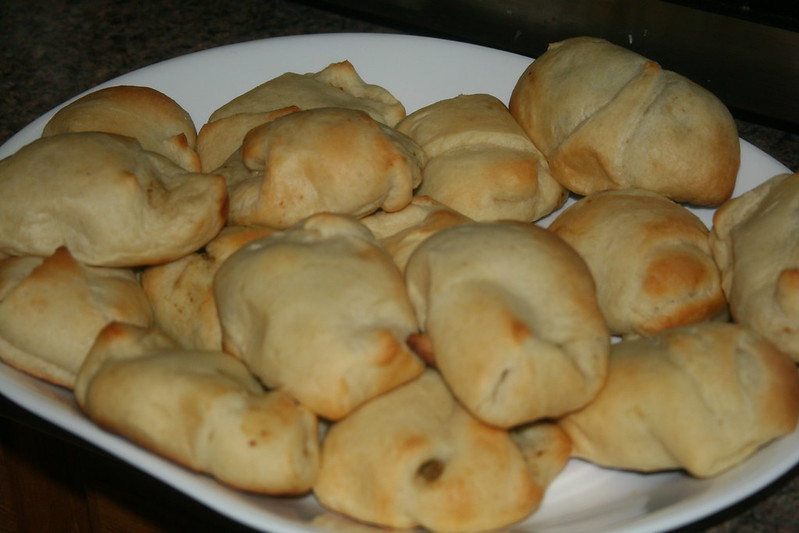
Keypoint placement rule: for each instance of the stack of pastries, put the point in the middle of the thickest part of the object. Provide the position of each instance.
(317, 293)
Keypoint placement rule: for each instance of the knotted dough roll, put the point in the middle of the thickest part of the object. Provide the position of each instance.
(181, 292)
(327, 159)
(510, 317)
(52, 308)
(650, 258)
(337, 85)
(608, 118)
(159, 123)
(414, 457)
(107, 200)
(480, 162)
(320, 311)
(754, 240)
(201, 409)
(701, 397)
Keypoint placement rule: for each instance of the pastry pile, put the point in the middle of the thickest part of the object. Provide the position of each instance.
(317, 293)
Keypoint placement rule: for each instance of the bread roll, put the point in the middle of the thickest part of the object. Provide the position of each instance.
(649, 256)
(328, 159)
(509, 312)
(608, 118)
(402, 231)
(107, 200)
(52, 308)
(337, 85)
(158, 122)
(201, 409)
(754, 241)
(181, 292)
(320, 311)
(480, 162)
(414, 457)
(701, 397)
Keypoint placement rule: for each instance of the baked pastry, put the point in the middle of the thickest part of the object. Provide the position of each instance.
(320, 311)
(107, 200)
(337, 85)
(327, 159)
(754, 242)
(401, 232)
(201, 409)
(181, 292)
(608, 118)
(157, 121)
(414, 457)
(649, 256)
(701, 397)
(480, 162)
(52, 308)
(510, 317)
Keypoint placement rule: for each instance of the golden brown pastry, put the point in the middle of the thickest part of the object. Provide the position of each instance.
(201, 409)
(107, 200)
(649, 256)
(52, 308)
(337, 85)
(327, 159)
(754, 241)
(608, 118)
(320, 311)
(701, 397)
(401, 232)
(509, 312)
(414, 457)
(159, 123)
(182, 293)
(480, 162)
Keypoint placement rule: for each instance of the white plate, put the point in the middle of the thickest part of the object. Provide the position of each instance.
(418, 71)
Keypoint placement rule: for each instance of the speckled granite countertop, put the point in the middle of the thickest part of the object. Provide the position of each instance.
(53, 50)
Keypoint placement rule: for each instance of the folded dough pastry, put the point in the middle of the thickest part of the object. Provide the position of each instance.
(509, 312)
(157, 121)
(754, 240)
(337, 85)
(649, 256)
(327, 159)
(182, 293)
(201, 409)
(401, 232)
(107, 200)
(52, 308)
(701, 397)
(608, 118)
(480, 161)
(319, 310)
(414, 457)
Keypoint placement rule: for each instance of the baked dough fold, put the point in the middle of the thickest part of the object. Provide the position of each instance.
(337, 85)
(650, 258)
(52, 308)
(754, 240)
(107, 200)
(607, 118)
(415, 457)
(320, 311)
(509, 312)
(201, 409)
(701, 397)
(326, 159)
(480, 162)
(158, 122)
